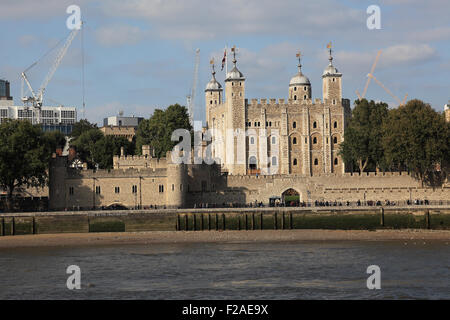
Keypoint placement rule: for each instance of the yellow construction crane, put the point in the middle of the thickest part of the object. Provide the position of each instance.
(371, 76)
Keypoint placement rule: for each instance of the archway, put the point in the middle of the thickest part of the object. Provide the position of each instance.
(291, 198)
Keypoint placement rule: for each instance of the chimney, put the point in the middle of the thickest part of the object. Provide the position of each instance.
(122, 151)
(146, 150)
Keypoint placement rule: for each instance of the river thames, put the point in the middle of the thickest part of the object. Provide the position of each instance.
(279, 270)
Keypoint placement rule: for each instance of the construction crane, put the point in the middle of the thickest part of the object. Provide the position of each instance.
(368, 80)
(191, 97)
(36, 99)
(370, 76)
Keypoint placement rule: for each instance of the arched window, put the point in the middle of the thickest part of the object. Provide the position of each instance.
(304, 88)
(294, 140)
(295, 162)
(294, 125)
(210, 102)
(315, 140)
(252, 140)
(295, 97)
(316, 162)
(335, 124)
(274, 140)
(335, 161)
(252, 162)
(335, 140)
(274, 161)
(295, 88)
(315, 125)
(304, 97)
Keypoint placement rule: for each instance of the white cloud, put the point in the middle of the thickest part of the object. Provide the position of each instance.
(32, 9)
(198, 19)
(118, 35)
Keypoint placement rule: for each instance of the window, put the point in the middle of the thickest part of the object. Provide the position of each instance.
(161, 188)
(295, 97)
(315, 140)
(335, 124)
(295, 162)
(274, 140)
(304, 97)
(204, 186)
(304, 88)
(315, 125)
(259, 124)
(335, 140)
(294, 140)
(274, 161)
(97, 190)
(316, 162)
(270, 123)
(295, 88)
(334, 79)
(117, 189)
(210, 102)
(173, 187)
(134, 189)
(252, 140)
(71, 191)
(334, 101)
(294, 125)
(335, 161)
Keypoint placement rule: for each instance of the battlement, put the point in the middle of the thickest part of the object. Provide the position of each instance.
(281, 102)
(73, 173)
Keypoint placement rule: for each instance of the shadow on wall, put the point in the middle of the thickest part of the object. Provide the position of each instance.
(77, 196)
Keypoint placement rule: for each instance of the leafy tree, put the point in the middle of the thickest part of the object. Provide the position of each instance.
(416, 137)
(56, 140)
(85, 145)
(108, 147)
(24, 156)
(363, 136)
(80, 127)
(158, 130)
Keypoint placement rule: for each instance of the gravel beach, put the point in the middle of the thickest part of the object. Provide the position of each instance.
(94, 239)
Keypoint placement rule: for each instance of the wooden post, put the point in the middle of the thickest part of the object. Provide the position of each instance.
(382, 216)
(195, 222)
(185, 222)
(13, 226)
(3, 226)
(201, 222)
(33, 226)
(253, 222)
(89, 224)
(275, 221)
(290, 220)
(209, 222)
(246, 222)
(428, 219)
(262, 222)
(282, 221)
(239, 222)
(223, 221)
(217, 222)
(178, 222)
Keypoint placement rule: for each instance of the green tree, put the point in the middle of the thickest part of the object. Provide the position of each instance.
(416, 137)
(157, 130)
(109, 146)
(56, 140)
(85, 145)
(363, 136)
(24, 156)
(80, 127)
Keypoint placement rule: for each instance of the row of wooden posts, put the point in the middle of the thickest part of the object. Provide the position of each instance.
(247, 224)
(13, 226)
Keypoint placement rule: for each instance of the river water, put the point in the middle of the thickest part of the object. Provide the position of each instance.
(288, 270)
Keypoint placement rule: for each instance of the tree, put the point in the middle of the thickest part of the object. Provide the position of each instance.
(108, 147)
(85, 145)
(157, 130)
(362, 138)
(416, 137)
(80, 127)
(24, 156)
(55, 139)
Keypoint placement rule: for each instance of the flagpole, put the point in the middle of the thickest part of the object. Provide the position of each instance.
(226, 60)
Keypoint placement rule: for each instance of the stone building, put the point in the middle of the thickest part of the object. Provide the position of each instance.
(264, 150)
(297, 135)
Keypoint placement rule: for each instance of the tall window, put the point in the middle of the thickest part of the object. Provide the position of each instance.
(335, 140)
(274, 161)
(97, 190)
(295, 162)
(316, 162)
(294, 125)
(117, 189)
(315, 140)
(274, 140)
(315, 125)
(161, 188)
(134, 189)
(294, 140)
(335, 124)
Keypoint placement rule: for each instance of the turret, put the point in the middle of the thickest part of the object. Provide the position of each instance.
(299, 86)
(332, 82)
(213, 95)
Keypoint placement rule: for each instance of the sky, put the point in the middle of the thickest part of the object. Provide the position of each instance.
(139, 55)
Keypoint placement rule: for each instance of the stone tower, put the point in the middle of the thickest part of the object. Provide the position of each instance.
(447, 111)
(332, 84)
(236, 159)
(213, 95)
(300, 86)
